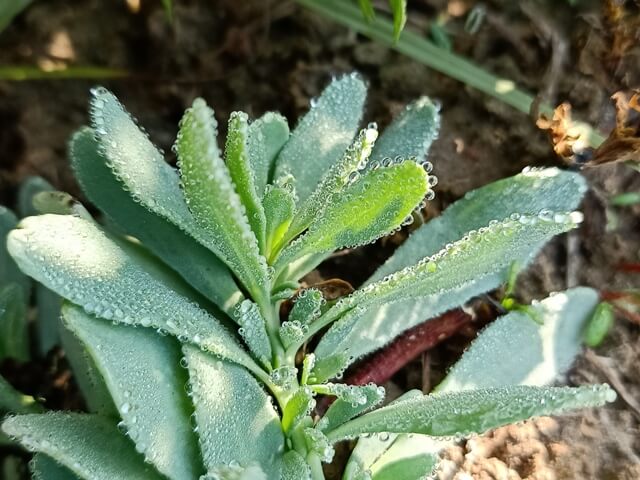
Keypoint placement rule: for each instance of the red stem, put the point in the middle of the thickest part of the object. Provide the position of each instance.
(629, 267)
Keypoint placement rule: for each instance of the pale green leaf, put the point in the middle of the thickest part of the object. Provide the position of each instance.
(59, 203)
(306, 307)
(143, 374)
(235, 419)
(399, 10)
(45, 468)
(279, 207)
(236, 156)
(29, 188)
(599, 325)
(407, 459)
(367, 209)
(213, 200)
(411, 133)
(295, 467)
(347, 406)
(75, 259)
(527, 193)
(195, 263)
(267, 136)
(329, 367)
(89, 445)
(538, 354)
(298, 407)
(474, 411)
(323, 134)
(12, 401)
(253, 331)
(14, 334)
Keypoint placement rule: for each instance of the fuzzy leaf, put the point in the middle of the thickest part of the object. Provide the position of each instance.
(267, 136)
(143, 374)
(538, 354)
(323, 134)
(328, 367)
(527, 193)
(12, 401)
(195, 263)
(45, 468)
(29, 188)
(306, 307)
(295, 467)
(279, 207)
(476, 411)
(411, 134)
(213, 200)
(237, 160)
(231, 405)
(347, 407)
(253, 331)
(89, 445)
(74, 258)
(371, 207)
(14, 335)
(297, 408)
(408, 459)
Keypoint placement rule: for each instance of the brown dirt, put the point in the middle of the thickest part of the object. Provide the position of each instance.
(261, 55)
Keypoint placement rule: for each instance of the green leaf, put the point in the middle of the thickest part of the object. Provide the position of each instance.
(9, 271)
(366, 7)
(371, 207)
(306, 307)
(253, 331)
(235, 419)
(14, 334)
(399, 10)
(411, 133)
(267, 136)
(47, 319)
(195, 263)
(477, 255)
(45, 468)
(89, 445)
(9, 10)
(143, 374)
(407, 459)
(237, 161)
(279, 207)
(346, 407)
(12, 401)
(59, 203)
(213, 200)
(295, 467)
(29, 188)
(530, 193)
(298, 407)
(599, 325)
(329, 367)
(75, 259)
(323, 134)
(538, 354)
(475, 411)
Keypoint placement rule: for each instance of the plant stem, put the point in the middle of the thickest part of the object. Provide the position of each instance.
(429, 54)
(316, 466)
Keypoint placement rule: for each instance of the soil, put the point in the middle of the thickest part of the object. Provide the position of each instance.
(259, 55)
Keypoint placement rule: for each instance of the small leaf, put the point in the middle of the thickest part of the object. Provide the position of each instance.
(267, 136)
(295, 467)
(279, 207)
(373, 206)
(411, 133)
(231, 405)
(349, 406)
(213, 200)
(329, 367)
(89, 445)
(599, 325)
(474, 411)
(253, 331)
(318, 443)
(59, 203)
(292, 333)
(306, 307)
(323, 134)
(75, 259)
(237, 160)
(45, 468)
(12, 401)
(29, 188)
(297, 408)
(143, 374)
(195, 263)
(399, 10)
(14, 335)
(538, 353)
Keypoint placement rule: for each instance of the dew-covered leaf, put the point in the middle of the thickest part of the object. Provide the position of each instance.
(411, 133)
(9, 271)
(214, 202)
(329, 367)
(89, 445)
(143, 374)
(298, 407)
(195, 263)
(279, 207)
(348, 406)
(236, 155)
(74, 258)
(253, 331)
(45, 468)
(14, 334)
(538, 353)
(267, 136)
(474, 411)
(235, 419)
(530, 193)
(295, 467)
(323, 134)
(12, 401)
(371, 207)
(306, 307)
(407, 459)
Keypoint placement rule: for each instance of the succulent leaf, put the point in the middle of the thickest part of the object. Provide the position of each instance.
(45, 468)
(267, 136)
(14, 335)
